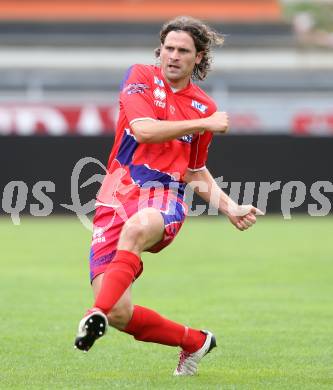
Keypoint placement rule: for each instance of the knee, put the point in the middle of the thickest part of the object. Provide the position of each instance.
(120, 316)
(133, 233)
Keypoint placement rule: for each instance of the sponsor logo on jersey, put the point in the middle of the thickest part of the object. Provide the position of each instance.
(199, 106)
(135, 88)
(158, 103)
(186, 138)
(158, 82)
(159, 93)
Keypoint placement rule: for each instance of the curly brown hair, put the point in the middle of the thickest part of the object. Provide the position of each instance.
(204, 38)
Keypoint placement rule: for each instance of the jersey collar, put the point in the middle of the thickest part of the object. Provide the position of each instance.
(169, 89)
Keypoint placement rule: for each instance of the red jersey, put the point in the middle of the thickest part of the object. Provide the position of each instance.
(132, 166)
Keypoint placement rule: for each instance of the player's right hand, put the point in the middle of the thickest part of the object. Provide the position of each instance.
(218, 122)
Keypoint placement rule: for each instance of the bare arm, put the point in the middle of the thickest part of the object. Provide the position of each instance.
(151, 131)
(241, 216)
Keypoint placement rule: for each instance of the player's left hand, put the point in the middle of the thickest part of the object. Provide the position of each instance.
(243, 216)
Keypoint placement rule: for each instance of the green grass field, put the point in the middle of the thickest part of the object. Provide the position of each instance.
(266, 293)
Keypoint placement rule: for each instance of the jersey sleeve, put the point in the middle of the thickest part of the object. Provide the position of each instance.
(136, 98)
(199, 151)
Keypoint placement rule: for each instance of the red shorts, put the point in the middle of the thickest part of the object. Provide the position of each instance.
(109, 221)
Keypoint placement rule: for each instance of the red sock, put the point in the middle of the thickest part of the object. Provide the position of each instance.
(117, 278)
(149, 326)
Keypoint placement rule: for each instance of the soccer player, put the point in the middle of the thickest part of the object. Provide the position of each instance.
(165, 126)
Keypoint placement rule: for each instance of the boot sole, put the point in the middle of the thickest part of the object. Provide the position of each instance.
(95, 328)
